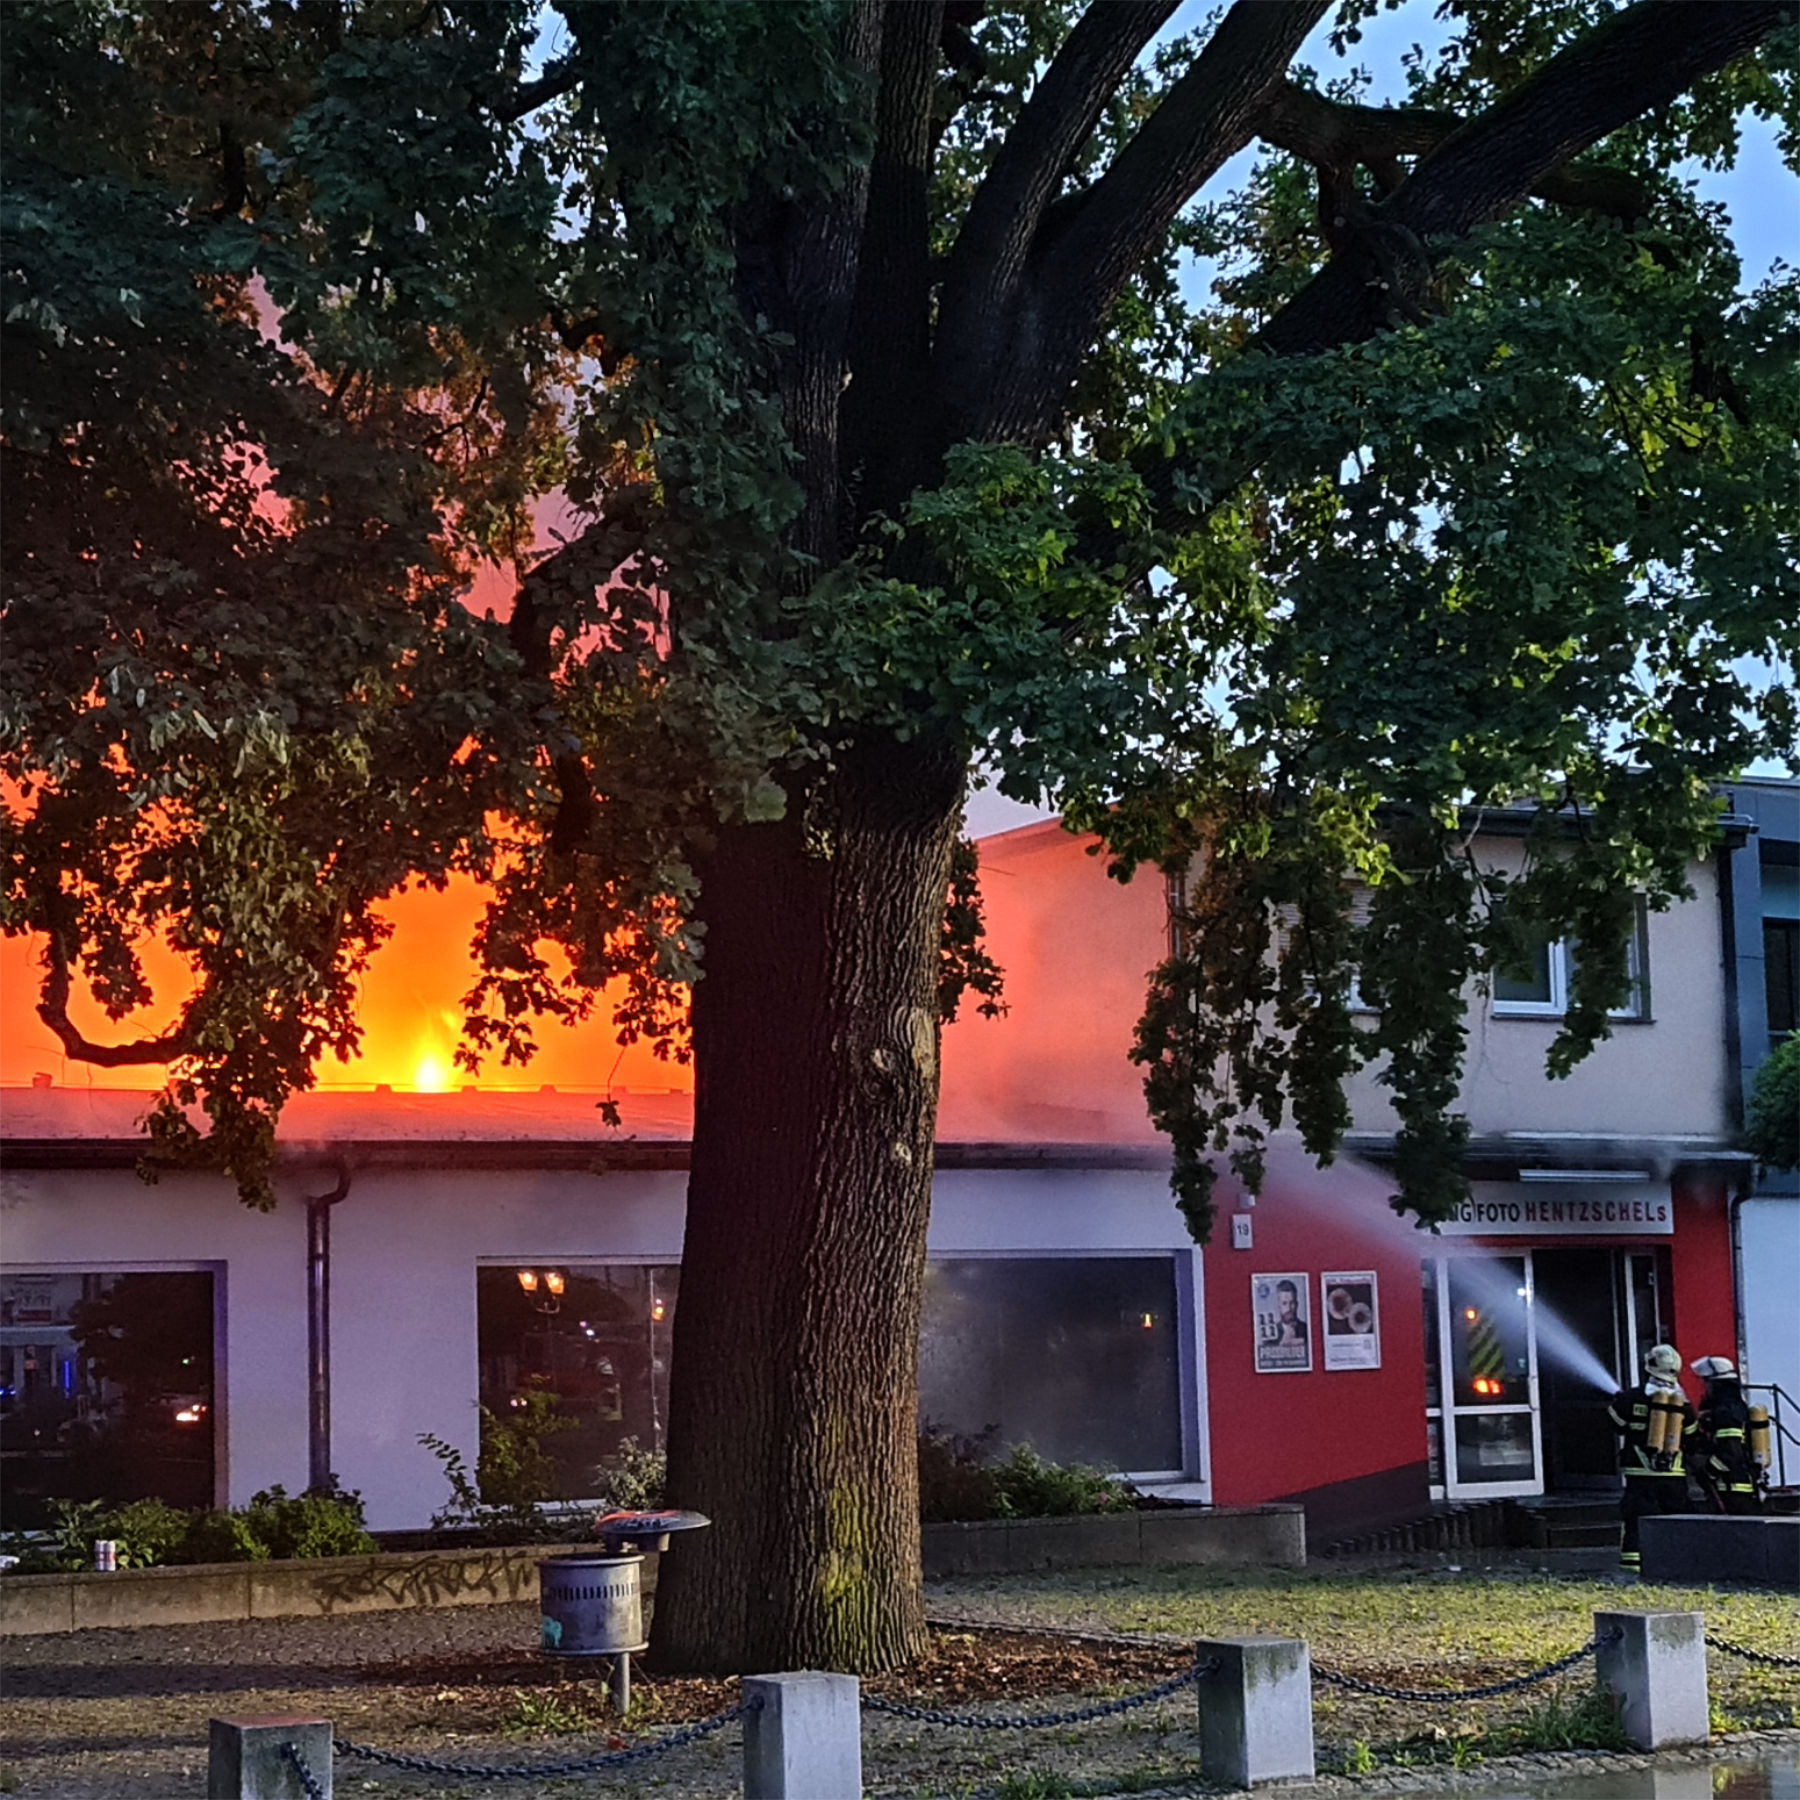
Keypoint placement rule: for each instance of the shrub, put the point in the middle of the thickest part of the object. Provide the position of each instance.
(632, 1480)
(955, 1482)
(147, 1532)
(216, 1537)
(1028, 1487)
(1773, 1128)
(309, 1524)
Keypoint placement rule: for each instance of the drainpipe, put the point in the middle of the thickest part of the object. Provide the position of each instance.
(318, 1331)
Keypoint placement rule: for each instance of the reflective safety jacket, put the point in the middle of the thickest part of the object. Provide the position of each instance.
(1630, 1414)
(1722, 1458)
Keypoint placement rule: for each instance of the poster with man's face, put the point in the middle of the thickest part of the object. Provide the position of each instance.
(1350, 1319)
(1278, 1305)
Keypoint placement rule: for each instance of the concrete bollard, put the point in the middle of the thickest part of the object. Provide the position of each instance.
(244, 1760)
(804, 1742)
(1655, 1670)
(1256, 1710)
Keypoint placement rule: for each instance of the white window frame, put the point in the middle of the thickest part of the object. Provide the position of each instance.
(1635, 1009)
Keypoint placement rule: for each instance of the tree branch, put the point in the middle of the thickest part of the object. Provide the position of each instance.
(1003, 219)
(1336, 136)
(1085, 249)
(1638, 60)
(884, 433)
(1206, 118)
(558, 78)
(53, 1009)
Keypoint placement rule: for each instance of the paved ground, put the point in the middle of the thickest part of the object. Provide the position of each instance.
(103, 1715)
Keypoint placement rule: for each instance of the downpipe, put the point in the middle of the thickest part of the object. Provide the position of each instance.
(319, 1478)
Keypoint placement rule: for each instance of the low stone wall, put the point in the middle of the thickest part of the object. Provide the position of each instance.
(1246, 1536)
(1695, 1548)
(1270, 1536)
(212, 1592)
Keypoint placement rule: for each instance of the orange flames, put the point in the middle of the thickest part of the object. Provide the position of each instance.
(411, 1012)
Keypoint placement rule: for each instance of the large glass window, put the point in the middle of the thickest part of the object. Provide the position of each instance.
(592, 1339)
(106, 1390)
(1077, 1356)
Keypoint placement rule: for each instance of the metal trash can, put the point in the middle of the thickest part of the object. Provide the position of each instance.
(594, 1605)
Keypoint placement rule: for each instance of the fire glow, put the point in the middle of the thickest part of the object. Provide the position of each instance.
(410, 1010)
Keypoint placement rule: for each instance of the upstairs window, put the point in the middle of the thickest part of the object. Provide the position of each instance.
(1537, 980)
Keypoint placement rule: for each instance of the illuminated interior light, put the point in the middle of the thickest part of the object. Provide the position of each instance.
(190, 1415)
(1149, 1321)
(659, 1310)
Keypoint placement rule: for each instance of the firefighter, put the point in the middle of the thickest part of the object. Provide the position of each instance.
(1656, 1422)
(1722, 1456)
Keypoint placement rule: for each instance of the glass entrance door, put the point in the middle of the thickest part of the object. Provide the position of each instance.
(1481, 1361)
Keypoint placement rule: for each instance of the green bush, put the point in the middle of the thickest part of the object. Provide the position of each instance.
(632, 1480)
(1773, 1128)
(958, 1481)
(955, 1482)
(309, 1524)
(147, 1532)
(219, 1537)
(1031, 1488)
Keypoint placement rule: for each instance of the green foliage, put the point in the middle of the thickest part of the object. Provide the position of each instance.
(1772, 1129)
(221, 1537)
(309, 1524)
(955, 1481)
(504, 1498)
(1029, 1487)
(1516, 550)
(959, 1480)
(147, 1532)
(632, 1479)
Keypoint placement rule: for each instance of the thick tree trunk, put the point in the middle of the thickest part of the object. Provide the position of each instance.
(792, 1414)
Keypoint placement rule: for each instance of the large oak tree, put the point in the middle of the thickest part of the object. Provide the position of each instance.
(864, 339)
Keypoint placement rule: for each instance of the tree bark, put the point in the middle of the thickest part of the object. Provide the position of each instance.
(792, 1412)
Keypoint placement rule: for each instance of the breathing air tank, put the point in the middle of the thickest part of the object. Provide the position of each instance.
(1756, 1434)
(1662, 1433)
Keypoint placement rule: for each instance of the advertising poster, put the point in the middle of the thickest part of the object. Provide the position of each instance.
(1278, 1306)
(1351, 1319)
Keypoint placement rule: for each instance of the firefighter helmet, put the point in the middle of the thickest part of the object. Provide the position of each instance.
(1711, 1368)
(1662, 1359)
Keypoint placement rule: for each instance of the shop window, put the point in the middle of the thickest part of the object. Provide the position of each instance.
(589, 1343)
(1781, 969)
(106, 1390)
(1536, 978)
(1077, 1356)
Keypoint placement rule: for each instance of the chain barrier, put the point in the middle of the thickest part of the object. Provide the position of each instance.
(1080, 1715)
(308, 1780)
(1772, 1658)
(581, 1765)
(1487, 1691)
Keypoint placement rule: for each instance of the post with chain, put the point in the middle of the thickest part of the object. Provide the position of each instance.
(1255, 1709)
(1653, 1664)
(246, 1759)
(802, 1737)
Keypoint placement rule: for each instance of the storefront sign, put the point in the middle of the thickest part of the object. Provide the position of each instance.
(1564, 1209)
(1351, 1319)
(1278, 1307)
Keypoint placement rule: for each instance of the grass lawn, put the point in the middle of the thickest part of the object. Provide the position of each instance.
(1414, 1627)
